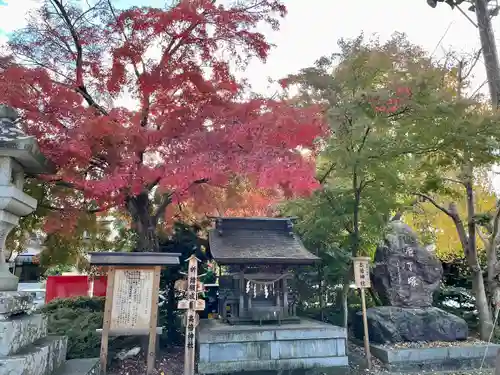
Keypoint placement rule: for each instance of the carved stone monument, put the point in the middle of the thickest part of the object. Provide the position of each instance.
(406, 276)
(25, 347)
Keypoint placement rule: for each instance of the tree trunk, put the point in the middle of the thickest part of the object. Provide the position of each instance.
(345, 306)
(492, 275)
(489, 49)
(482, 305)
(144, 223)
(172, 335)
(321, 287)
(478, 285)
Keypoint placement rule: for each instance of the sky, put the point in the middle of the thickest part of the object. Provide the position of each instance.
(312, 28)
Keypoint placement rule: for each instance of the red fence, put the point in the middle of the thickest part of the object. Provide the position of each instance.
(73, 286)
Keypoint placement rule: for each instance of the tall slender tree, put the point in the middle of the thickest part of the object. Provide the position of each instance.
(485, 10)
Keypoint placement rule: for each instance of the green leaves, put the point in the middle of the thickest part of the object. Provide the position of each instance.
(397, 127)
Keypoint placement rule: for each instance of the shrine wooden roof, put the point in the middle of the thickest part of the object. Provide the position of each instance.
(257, 240)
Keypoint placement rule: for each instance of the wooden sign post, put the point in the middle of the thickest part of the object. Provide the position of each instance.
(362, 280)
(191, 303)
(131, 306)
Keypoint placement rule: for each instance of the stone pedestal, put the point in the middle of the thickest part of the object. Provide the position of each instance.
(303, 347)
(25, 347)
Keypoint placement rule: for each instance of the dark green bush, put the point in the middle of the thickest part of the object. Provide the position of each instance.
(457, 301)
(78, 319)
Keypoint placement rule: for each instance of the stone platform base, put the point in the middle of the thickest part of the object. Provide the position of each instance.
(12, 303)
(87, 366)
(466, 357)
(20, 331)
(226, 349)
(40, 358)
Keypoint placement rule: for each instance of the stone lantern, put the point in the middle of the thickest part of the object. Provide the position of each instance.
(19, 154)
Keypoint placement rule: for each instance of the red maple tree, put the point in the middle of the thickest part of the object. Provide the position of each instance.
(189, 122)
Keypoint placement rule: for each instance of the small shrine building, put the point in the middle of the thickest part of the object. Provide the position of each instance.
(258, 256)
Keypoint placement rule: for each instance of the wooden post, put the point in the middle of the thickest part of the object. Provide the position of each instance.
(362, 280)
(107, 320)
(365, 326)
(241, 307)
(285, 295)
(151, 358)
(191, 304)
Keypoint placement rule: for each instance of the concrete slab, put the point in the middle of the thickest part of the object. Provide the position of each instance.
(19, 331)
(85, 366)
(334, 365)
(452, 358)
(13, 303)
(40, 358)
(309, 344)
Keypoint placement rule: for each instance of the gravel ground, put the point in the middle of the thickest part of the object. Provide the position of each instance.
(169, 362)
(434, 344)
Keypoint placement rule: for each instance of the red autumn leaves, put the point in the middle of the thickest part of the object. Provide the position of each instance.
(392, 104)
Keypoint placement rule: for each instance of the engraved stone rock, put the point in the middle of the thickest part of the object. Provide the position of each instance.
(388, 324)
(405, 274)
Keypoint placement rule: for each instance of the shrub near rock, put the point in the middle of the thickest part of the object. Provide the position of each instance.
(78, 319)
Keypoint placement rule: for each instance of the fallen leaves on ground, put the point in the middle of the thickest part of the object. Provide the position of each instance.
(169, 362)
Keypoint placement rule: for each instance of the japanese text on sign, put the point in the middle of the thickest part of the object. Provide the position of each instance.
(131, 306)
(362, 272)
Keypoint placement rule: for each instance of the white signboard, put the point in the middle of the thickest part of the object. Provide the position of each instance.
(131, 308)
(361, 272)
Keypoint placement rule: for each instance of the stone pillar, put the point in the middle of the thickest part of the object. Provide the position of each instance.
(19, 154)
(285, 296)
(8, 281)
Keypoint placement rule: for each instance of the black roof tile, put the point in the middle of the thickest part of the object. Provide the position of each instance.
(257, 240)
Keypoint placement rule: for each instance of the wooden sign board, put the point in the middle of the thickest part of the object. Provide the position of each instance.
(362, 272)
(131, 306)
(196, 320)
(199, 304)
(362, 280)
(132, 294)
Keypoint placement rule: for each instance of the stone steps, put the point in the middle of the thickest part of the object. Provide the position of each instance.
(40, 358)
(85, 366)
(21, 331)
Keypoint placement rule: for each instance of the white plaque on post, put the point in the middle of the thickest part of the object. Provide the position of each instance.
(132, 291)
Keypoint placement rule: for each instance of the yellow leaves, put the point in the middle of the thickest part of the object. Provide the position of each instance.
(436, 227)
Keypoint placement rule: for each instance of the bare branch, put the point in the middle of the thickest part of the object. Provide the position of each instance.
(89, 210)
(496, 221)
(167, 199)
(435, 204)
(484, 238)
(453, 180)
(327, 173)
